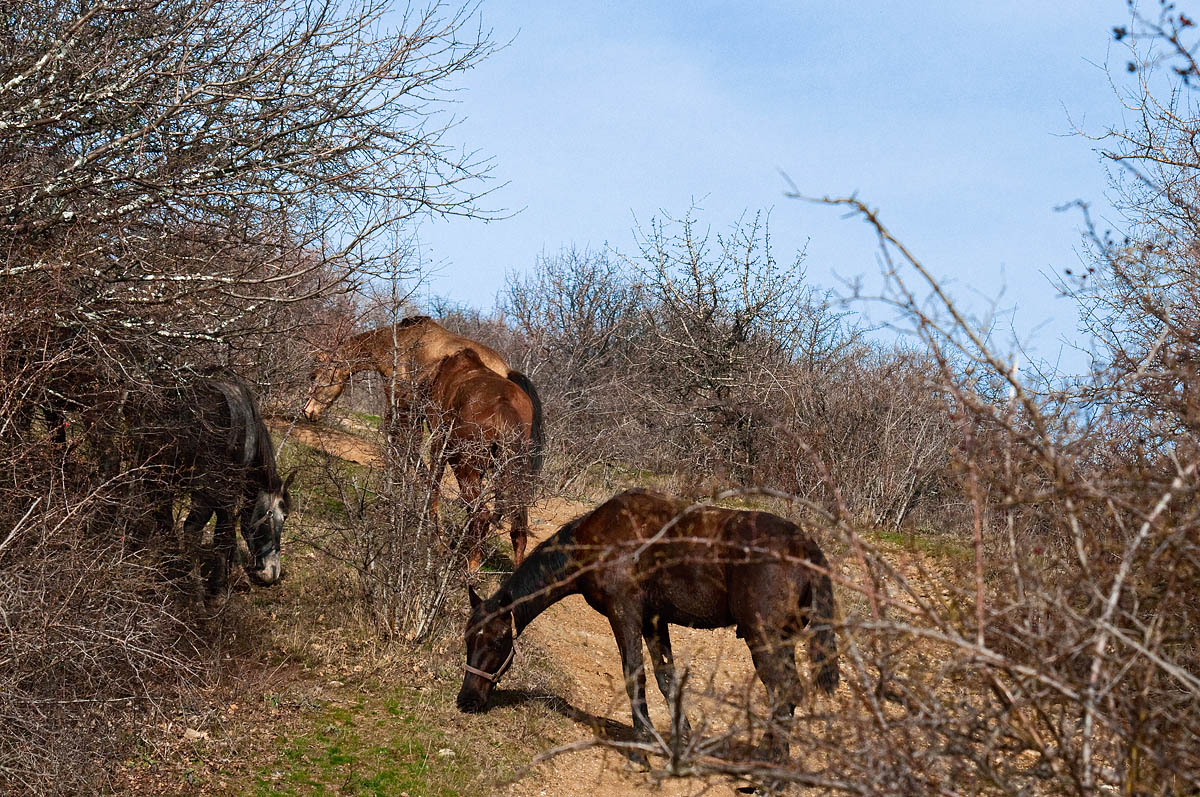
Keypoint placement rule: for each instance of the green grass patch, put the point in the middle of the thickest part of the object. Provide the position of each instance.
(373, 748)
(938, 546)
(367, 419)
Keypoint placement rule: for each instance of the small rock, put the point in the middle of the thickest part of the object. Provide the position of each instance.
(446, 752)
(336, 684)
(193, 735)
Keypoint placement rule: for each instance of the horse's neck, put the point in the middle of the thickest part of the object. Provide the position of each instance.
(359, 355)
(543, 579)
(392, 349)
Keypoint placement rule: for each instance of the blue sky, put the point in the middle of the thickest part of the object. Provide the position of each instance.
(955, 123)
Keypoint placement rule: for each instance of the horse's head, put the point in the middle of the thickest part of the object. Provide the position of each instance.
(263, 532)
(328, 381)
(490, 650)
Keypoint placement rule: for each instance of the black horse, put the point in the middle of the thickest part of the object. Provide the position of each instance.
(208, 440)
(644, 561)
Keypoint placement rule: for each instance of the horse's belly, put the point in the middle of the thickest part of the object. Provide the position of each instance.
(692, 604)
(714, 619)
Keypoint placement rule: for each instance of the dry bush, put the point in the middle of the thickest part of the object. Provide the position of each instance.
(406, 560)
(575, 319)
(92, 643)
(883, 430)
(707, 358)
(183, 185)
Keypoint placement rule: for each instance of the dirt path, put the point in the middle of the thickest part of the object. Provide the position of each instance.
(341, 444)
(580, 645)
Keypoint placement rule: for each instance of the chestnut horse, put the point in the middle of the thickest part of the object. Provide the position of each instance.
(482, 426)
(644, 560)
(409, 353)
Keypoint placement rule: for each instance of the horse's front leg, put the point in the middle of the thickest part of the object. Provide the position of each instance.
(627, 630)
(658, 641)
(224, 547)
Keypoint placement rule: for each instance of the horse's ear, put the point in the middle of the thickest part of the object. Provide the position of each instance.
(474, 596)
(288, 481)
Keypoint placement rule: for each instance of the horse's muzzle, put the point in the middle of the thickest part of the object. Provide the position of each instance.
(470, 704)
(313, 410)
(473, 701)
(270, 571)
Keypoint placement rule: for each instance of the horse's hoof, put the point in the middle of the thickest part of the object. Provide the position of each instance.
(639, 761)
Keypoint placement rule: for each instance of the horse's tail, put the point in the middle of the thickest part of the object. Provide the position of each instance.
(538, 432)
(822, 645)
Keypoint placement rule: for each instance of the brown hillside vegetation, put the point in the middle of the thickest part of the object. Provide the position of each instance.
(197, 190)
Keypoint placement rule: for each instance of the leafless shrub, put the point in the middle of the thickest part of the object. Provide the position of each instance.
(706, 357)
(91, 642)
(381, 529)
(577, 326)
(183, 185)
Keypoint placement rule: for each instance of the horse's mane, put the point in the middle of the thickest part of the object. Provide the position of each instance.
(550, 564)
(412, 319)
(244, 413)
(264, 452)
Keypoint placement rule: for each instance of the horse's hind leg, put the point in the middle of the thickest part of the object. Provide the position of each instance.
(775, 662)
(519, 533)
(189, 544)
(658, 642)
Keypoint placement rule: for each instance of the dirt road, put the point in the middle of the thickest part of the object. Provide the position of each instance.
(580, 645)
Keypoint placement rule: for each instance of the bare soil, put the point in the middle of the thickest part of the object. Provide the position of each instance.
(336, 442)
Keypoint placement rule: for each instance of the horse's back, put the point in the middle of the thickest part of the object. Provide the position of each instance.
(480, 398)
(428, 343)
(676, 574)
(207, 427)
(712, 567)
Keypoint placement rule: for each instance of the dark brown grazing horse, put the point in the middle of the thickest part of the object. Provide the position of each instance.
(483, 426)
(644, 561)
(408, 353)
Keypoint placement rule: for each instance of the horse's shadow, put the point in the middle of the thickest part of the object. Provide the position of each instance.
(603, 727)
(611, 730)
(734, 746)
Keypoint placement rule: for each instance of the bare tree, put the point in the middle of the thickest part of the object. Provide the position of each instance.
(577, 316)
(184, 184)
